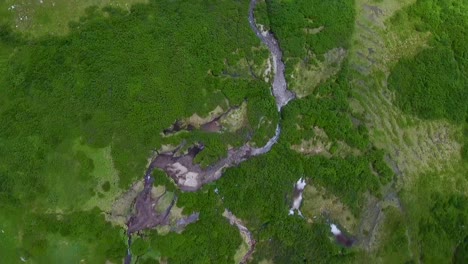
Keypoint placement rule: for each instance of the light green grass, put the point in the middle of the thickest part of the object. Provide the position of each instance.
(62, 250)
(418, 201)
(69, 183)
(73, 185)
(9, 238)
(407, 139)
(307, 76)
(426, 152)
(105, 174)
(318, 202)
(52, 16)
(393, 245)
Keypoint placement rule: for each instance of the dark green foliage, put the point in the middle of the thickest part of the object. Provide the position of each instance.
(347, 178)
(119, 78)
(7, 35)
(257, 190)
(350, 177)
(434, 84)
(250, 189)
(445, 226)
(139, 247)
(377, 159)
(291, 240)
(328, 109)
(394, 241)
(211, 240)
(263, 117)
(464, 149)
(46, 236)
(214, 150)
(437, 218)
(111, 80)
(261, 14)
(461, 253)
(106, 186)
(290, 19)
(161, 179)
(431, 85)
(260, 193)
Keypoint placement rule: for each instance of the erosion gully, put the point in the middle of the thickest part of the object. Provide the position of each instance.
(145, 216)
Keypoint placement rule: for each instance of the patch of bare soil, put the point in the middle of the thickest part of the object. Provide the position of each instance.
(309, 73)
(146, 216)
(320, 144)
(317, 202)
(374, 12)
(152, 208)
(313, 31)
(189, 176)
(217, 121)
(122, 207)
(235, 119)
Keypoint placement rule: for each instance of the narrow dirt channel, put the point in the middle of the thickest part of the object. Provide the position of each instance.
(245, 233)
(191, 177)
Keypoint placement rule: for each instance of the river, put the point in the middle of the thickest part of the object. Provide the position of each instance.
(279, 86)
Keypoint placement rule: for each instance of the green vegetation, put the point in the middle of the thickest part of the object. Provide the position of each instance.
(461, 252)
(291, 19)
(428, 79)
(42, 17)
(211, 240)
(438, 212)
(259, 191)
(348, 178)
(42, 237)
(394, 240)
(256, 190)
(431, 85)
(434, 84)
(326, 108)
(261, 14)
(112, 84)
(83, 107)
